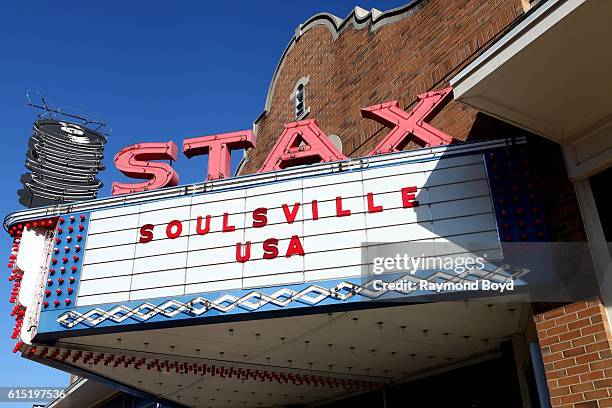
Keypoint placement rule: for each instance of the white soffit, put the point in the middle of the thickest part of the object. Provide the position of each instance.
(550, 74)
(383, 345)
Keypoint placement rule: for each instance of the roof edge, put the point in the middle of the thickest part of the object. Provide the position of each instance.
(359, 18)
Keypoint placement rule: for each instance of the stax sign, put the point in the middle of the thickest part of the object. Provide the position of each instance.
(300, 143)
(259, 219)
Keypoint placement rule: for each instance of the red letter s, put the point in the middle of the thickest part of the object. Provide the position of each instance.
(133, 161)
(270, 248)
(146, 233)
(260, 218)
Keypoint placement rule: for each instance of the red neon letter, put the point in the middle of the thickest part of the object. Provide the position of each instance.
(290, 215)
(174, 229)
(413, 123)
(371, 207)
(247, 255)
(301, 143)
(146, 233)
(270, 248)
(133, 161)
(226, 226)
(315, 210)
(408, 197)
(260, 218)
(340, 212)
(206, 229)
(295, 247)
(218, 147)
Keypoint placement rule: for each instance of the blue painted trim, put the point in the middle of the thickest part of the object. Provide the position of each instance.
(50, 329)
(48, 320)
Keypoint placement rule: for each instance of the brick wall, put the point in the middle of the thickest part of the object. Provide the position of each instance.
(396, 62)
(421, 53)
(576, 345)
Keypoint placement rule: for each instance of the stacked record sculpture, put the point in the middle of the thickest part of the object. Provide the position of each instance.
(64, 159)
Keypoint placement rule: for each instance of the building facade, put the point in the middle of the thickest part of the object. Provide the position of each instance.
(444, 122)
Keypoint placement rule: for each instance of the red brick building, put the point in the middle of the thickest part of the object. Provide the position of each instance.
(371, 57)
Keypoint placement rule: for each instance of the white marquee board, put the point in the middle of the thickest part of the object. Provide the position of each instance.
(454, 204)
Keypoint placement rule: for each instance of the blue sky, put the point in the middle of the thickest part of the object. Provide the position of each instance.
(155, 71)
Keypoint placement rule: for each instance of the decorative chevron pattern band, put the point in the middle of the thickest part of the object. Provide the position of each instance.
(255, 300)
(199, 305)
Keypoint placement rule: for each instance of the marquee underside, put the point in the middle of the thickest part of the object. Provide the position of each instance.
(292, 360)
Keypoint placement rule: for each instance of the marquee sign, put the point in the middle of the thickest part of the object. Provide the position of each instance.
(300, 143)
(290, 239)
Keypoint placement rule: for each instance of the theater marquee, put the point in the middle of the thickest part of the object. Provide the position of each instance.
(290, 239)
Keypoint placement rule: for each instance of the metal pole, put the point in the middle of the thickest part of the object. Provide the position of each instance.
(540, 375)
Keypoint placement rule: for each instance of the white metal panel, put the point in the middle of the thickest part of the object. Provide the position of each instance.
(457, 190)
(277, 215)
(212, 256)
(105, 285)
(257, 235)
(214, 286)
(329, 222)
(128, 236)
(218, 196)
(454, 199)
(157, 292)
(332, 179)
(265, 267)
(150, 280)
(104, 298)
(109, 254)
(330, 192)
(394, 183)
(404, 216)
(384, 172)
(332, 273)
(107, 269)
(272, 195)
(455, 174)
(338, 240)
(273, 280)
(402, 233)
(456, 161)
(114, 212)
(216, 272)
(332, 259)
(161, 246)
(119, 222)
(160, 262)
(234, 209)
(455, 226)
(215, 240)
(462, 207)
(168, 204)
